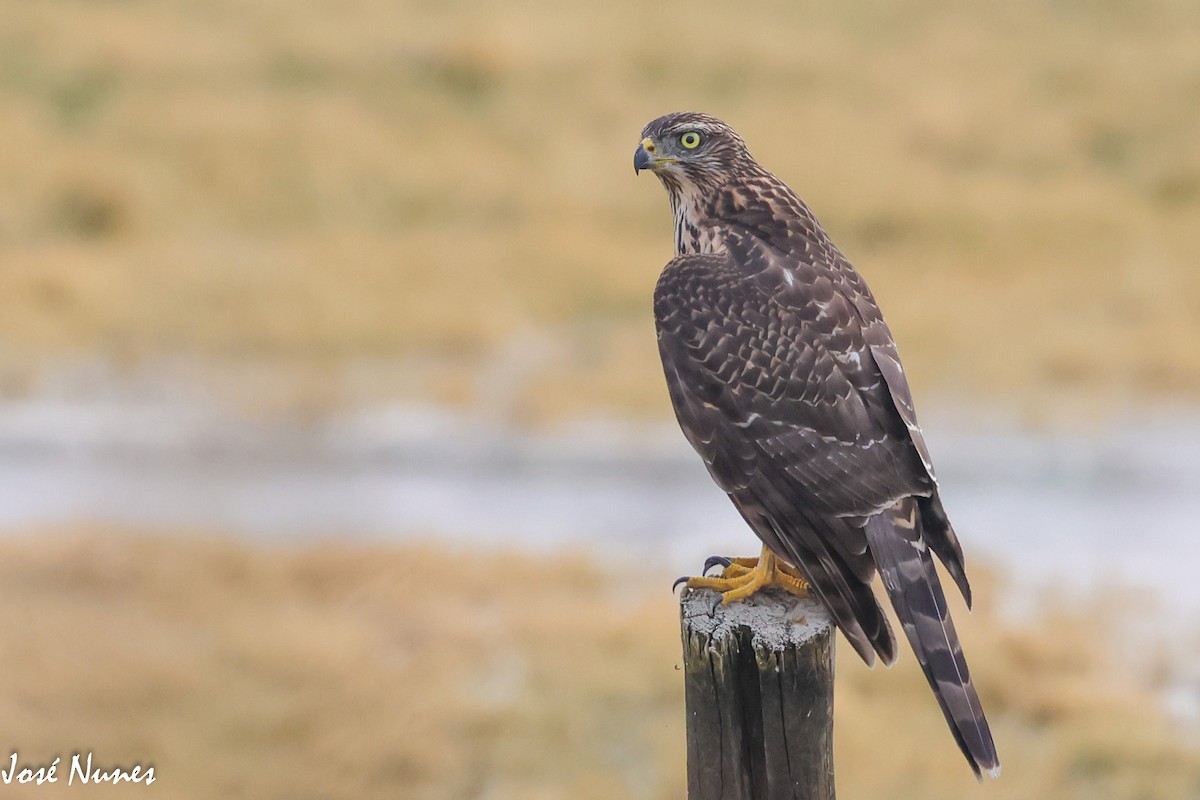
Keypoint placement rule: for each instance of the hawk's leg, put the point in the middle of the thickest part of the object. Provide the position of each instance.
(745, 576)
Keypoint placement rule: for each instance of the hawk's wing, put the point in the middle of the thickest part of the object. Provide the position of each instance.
(791, 391)
(783, 405)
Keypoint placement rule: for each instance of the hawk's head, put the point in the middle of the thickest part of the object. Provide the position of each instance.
(690, 148)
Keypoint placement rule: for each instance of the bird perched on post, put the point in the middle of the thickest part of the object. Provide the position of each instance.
(786, 381)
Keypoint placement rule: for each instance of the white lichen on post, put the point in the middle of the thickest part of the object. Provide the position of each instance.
(759, 691)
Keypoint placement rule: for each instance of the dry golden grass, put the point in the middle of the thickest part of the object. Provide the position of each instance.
(338, 670)
(444, 183)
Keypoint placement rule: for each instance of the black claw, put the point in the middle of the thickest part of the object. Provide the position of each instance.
(714, 561)
(678, 581)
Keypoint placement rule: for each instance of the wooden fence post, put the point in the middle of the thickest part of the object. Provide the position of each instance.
(759, 689)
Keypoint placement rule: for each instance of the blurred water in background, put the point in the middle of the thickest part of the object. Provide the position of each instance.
(1072, 507)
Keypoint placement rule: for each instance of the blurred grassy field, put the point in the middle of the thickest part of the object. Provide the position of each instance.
(339, 670)
(444, 189)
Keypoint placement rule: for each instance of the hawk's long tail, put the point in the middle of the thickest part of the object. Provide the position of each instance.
(912, 584)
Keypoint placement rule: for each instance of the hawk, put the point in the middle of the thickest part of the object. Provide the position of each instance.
(786, 380)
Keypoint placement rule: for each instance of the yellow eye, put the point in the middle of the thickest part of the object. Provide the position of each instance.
(690, 140)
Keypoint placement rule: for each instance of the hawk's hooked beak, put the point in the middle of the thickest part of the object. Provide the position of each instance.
(641, 157)
(647, 157)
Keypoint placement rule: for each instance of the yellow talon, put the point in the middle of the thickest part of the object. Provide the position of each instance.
(745, 576)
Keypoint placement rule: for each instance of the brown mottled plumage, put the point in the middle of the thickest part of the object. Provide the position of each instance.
(786, 381)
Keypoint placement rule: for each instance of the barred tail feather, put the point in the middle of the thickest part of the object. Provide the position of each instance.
(905, 563)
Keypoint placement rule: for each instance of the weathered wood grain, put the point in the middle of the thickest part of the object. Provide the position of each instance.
(759, 691)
